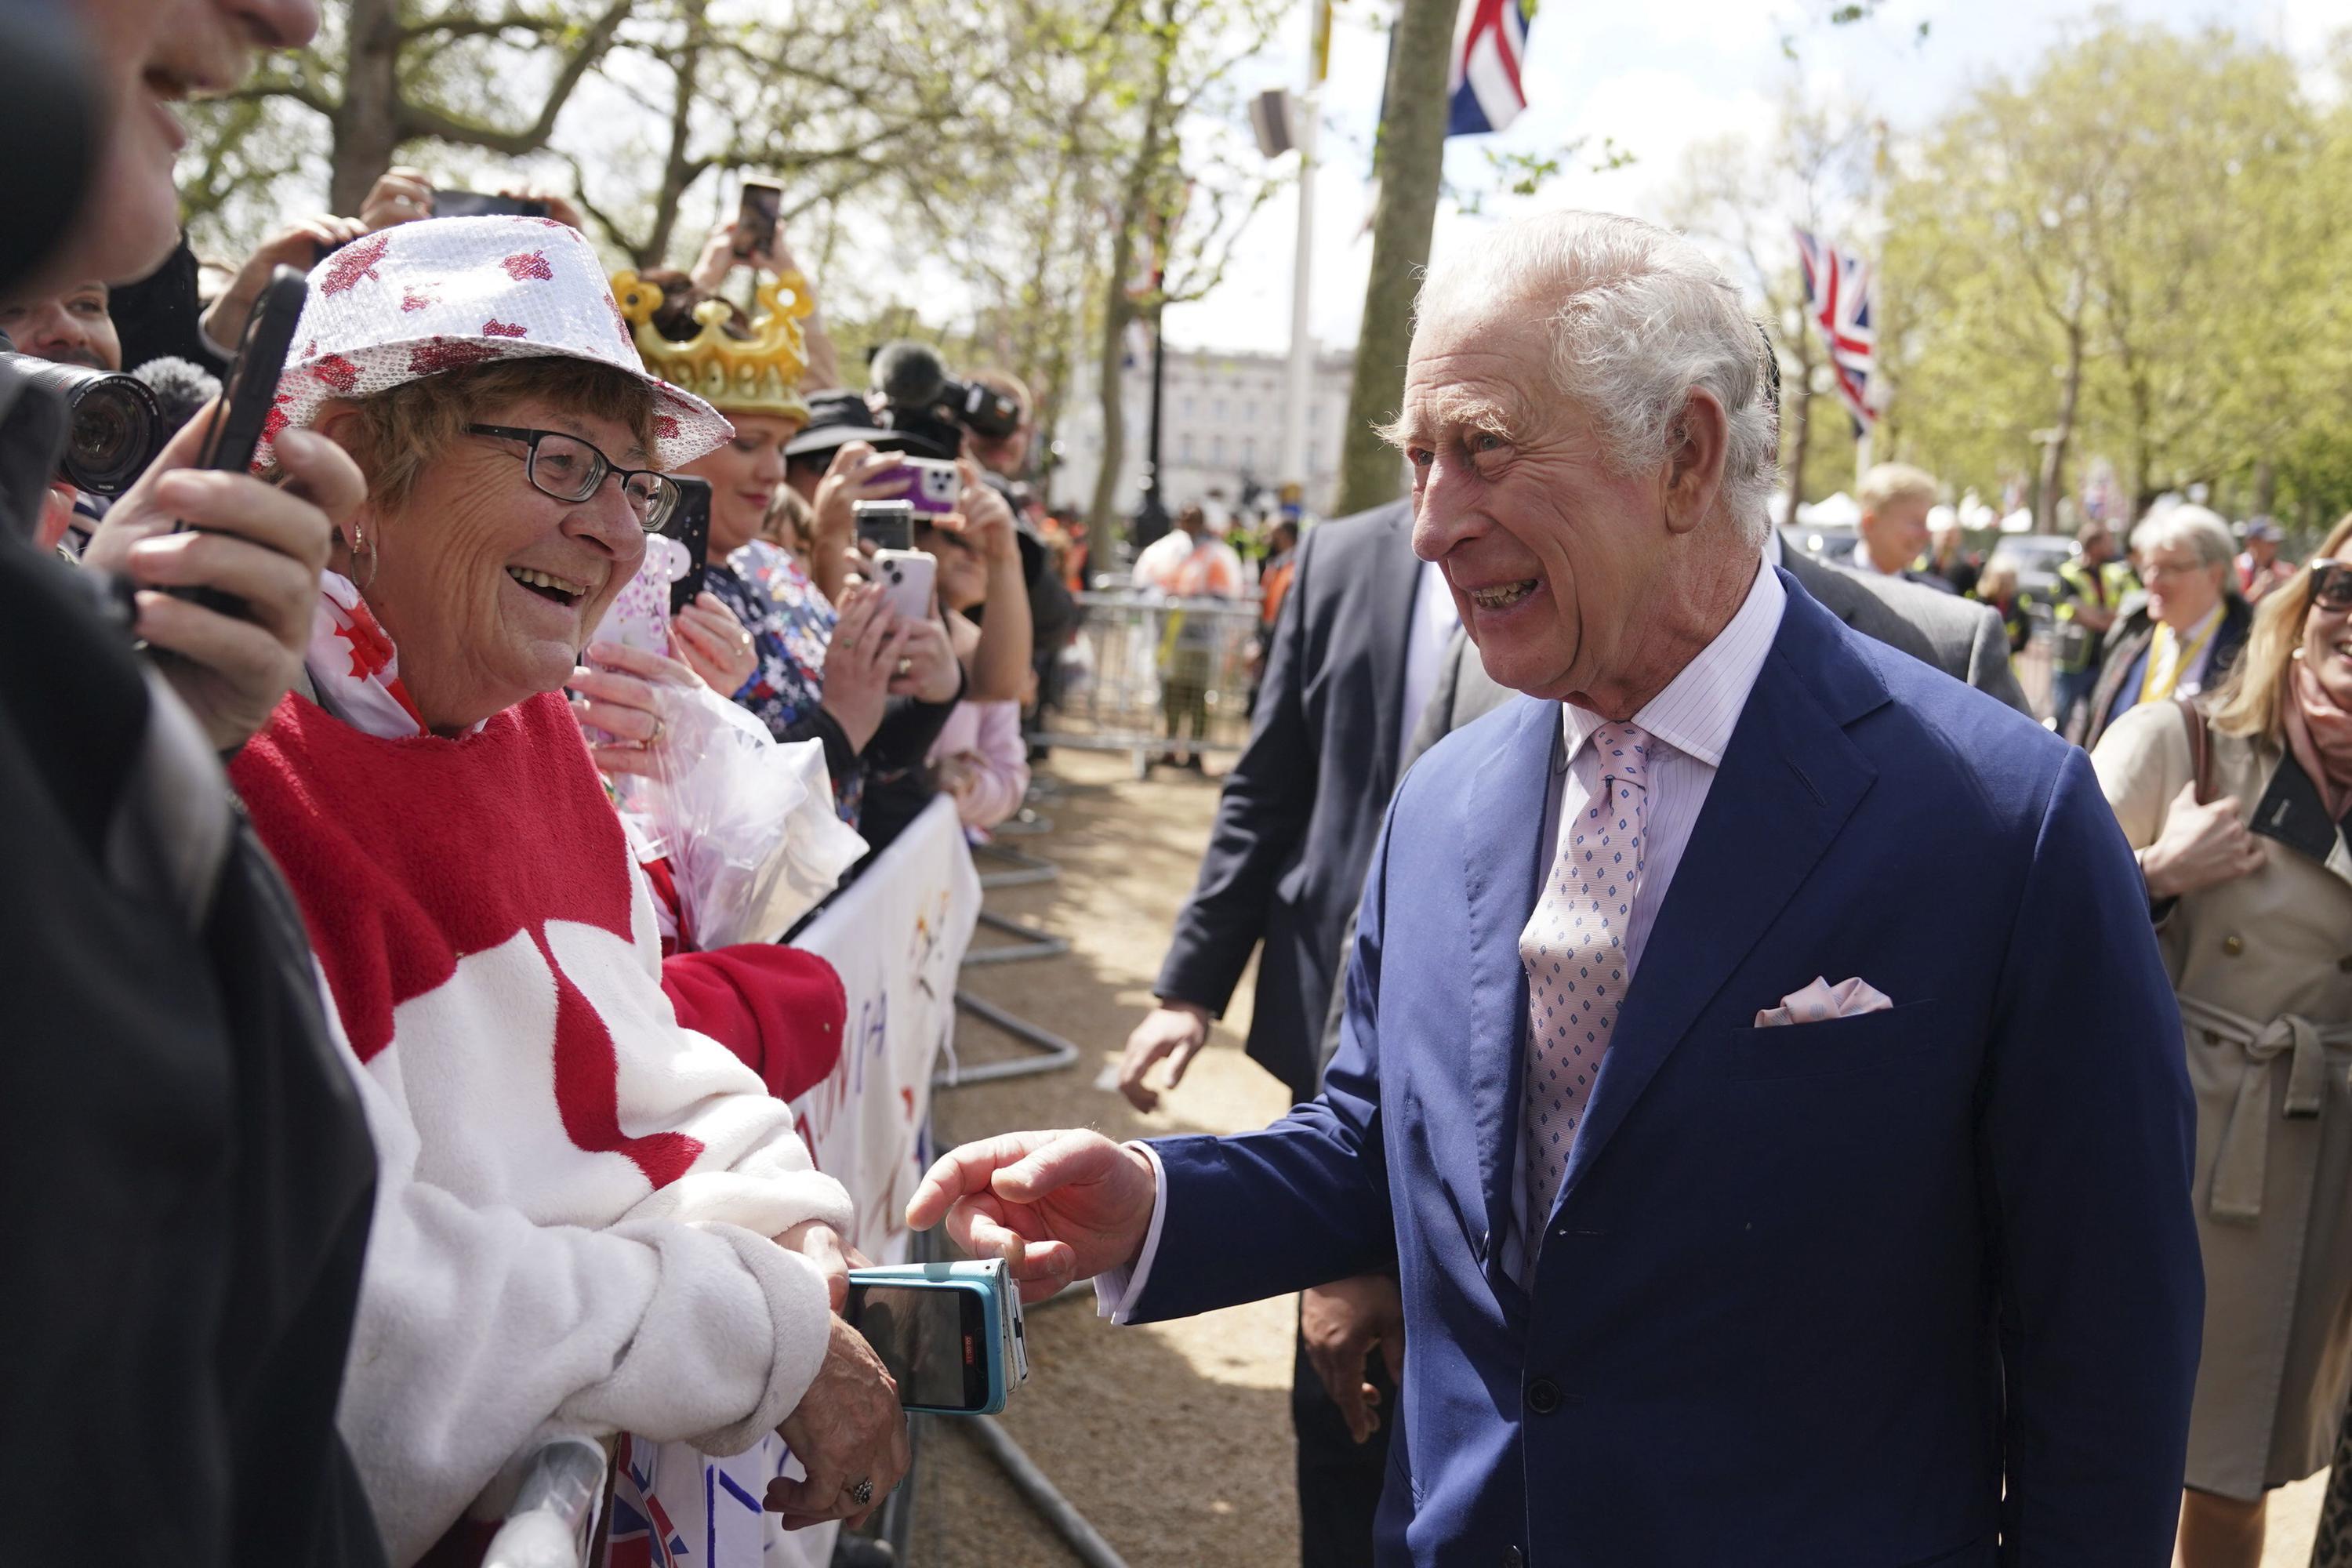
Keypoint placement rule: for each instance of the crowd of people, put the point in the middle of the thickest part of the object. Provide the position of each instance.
(404, 836)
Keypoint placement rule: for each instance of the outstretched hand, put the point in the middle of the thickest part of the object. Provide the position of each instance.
(1057, 1206)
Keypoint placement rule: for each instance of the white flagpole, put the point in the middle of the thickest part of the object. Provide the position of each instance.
(1301, 379)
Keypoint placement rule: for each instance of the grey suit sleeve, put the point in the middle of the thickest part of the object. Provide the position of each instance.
(1989, 666)
(1437, 720)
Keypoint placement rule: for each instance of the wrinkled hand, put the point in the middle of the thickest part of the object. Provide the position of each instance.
(262, 544)
(400, 195)
(299, 246)
(559, 207)
(2201, 846)
(933, 674)
(626, 694)
(1173, 1030)
(822, 1245)
(1057, 1206)
(1341, 1325)
(859, 663)
(848, 1429)
(709, 638)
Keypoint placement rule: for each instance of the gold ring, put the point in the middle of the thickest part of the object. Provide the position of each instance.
(658, 730)
(906, 665)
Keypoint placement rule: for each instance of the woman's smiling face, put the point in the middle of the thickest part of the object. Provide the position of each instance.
(490, 587)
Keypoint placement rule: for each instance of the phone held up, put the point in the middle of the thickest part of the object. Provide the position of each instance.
(758, 211)
(885, 524)
(930, 485)
(689, 524)
(476, 204)
(250, 391)
(950, 1333)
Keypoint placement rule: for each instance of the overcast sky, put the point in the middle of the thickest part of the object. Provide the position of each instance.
(1656, 77)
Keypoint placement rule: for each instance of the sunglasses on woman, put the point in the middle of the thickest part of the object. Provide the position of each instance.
(570, 469)
(2331, 585)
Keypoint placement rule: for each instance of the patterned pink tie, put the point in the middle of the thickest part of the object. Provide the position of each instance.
(1574, 951)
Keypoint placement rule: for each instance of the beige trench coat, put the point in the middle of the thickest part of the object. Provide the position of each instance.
(2263, 968)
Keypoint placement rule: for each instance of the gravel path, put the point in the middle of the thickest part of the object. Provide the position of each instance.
(1174, 1440)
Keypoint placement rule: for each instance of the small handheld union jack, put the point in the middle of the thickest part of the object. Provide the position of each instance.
(1838, 295)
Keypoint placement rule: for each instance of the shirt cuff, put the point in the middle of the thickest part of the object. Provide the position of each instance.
(1116, 1291)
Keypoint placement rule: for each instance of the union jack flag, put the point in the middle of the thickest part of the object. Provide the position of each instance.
(1490, 39)
(1837, 290)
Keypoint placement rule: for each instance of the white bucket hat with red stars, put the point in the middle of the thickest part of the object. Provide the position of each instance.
(420, 298)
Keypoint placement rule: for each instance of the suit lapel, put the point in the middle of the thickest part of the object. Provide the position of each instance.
(1503, 862)
(1396, 580)
(1789, 780)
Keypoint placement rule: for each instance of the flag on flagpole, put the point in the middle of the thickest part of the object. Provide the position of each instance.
(1838, 293)
(1490, 40)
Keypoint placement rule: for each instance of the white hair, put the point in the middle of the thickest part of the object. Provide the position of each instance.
(1639, 319)
(2200, 529)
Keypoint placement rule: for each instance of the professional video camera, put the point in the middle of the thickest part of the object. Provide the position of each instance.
(925, 400)
(117, 426)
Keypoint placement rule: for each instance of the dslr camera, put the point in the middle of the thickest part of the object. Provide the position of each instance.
(116, 426)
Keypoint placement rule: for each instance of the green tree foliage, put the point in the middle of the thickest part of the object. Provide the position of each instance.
(2136, 252)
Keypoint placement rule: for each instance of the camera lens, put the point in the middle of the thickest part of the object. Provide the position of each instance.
(115, 435)
(116, 428)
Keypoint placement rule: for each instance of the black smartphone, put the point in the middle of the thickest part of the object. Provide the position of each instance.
(885, 524)
(758, 211)
(689, 524)
(248, 393)
(935, 1342)
(475, 204)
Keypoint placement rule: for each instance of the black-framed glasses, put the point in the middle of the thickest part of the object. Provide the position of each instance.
(2331, 585)
(570, 469)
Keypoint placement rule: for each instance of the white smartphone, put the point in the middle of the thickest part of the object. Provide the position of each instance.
(906, 578)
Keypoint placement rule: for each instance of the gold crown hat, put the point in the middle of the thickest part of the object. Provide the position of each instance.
(757, 374)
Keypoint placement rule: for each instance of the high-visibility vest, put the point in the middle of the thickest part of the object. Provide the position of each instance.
(2078, 645)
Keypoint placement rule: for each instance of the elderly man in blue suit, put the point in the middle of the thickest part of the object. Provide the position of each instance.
(1757, 1064)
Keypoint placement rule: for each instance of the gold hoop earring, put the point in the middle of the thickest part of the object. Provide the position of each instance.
(362, 557)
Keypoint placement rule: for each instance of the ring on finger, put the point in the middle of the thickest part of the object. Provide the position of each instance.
(906, 665)
(656, 733)
(862, 1493)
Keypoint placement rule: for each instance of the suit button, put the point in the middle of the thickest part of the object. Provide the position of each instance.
(1511, 1558)
(1543, 1396)
(2234, 945)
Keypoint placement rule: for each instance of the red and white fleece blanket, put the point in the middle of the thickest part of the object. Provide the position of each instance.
(578, 1189)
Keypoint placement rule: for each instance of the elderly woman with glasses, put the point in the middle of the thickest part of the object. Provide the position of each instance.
(2236, 805)
(592, 1218)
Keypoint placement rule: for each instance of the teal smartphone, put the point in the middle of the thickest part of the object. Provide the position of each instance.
(950, 1333)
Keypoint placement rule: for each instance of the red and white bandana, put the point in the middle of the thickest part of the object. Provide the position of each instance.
(420, 298)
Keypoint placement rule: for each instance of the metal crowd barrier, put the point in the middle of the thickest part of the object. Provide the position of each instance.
(1143, 668)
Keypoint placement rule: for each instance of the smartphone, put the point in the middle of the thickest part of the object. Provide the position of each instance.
(690, 526)
(906, 578)
(758, 211)
(885, 524)
(247, 395)
(475, 204)
(932, 484)
(251, 389)
(950, 1333)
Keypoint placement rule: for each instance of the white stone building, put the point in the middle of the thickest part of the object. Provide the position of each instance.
(1221, 429)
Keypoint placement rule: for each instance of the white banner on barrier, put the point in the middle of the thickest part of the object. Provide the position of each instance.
(897, 936)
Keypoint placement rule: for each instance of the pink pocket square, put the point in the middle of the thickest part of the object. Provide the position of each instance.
(1822, 1000)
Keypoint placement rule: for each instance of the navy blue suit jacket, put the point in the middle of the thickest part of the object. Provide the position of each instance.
(1818, 1295)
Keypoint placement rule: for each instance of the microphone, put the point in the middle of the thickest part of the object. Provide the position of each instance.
(909, 375)
(181, 387)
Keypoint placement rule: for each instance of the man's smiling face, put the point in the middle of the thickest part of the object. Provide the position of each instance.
(1551, 553)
